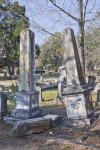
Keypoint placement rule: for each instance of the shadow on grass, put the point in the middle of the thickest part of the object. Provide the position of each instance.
(54, 109)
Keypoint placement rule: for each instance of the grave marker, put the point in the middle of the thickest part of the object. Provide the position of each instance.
(77, 93)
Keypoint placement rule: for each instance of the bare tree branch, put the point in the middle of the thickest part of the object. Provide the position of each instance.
(69, 14)
(32, 22)
(85, 8)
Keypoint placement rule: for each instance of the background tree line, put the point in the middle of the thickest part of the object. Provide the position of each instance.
(50, 53)
(11, 25)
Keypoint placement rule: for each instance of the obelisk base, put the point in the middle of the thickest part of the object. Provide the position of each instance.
(26, 105)
(79, 105)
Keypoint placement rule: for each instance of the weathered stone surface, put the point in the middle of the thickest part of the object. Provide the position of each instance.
(3, 104)
(27, 61)
(91, 81)
(31, 126)
(27, 99)
(77, 93)
(79, 105)
(74, 73)
(55, 119)
(97, 103)
(26, 105)
(40, 124)
(80, 122)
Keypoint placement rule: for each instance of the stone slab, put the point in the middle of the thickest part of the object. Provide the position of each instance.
(55, 119)
(22, 127)
(76, 89)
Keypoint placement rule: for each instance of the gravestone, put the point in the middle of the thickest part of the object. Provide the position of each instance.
(3, 104)
(91, 81)
(27, 98)
(97, 103)
(27, 116)
(77, 94)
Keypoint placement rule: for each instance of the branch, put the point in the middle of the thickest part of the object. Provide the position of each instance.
(33, 23)
(85, 8)
(72, 16)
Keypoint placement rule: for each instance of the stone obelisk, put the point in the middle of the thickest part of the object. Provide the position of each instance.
(27, 98)
(77, 93)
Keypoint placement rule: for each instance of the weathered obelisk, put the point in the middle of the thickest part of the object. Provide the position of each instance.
(77, 93)
(27, 98)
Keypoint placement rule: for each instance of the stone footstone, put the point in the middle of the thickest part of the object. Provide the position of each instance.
(3, 104)
(36, 125)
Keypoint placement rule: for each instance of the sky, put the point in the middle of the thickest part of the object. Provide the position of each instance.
(53, 20)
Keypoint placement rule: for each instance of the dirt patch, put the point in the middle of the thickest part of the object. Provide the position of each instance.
(56, 138)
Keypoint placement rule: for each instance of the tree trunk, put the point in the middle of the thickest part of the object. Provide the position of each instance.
(81, 35)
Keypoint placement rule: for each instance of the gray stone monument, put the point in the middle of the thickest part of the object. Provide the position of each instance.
(97, 103)
(77, 94)
(3, 104)
(27, 98)
(27, 118)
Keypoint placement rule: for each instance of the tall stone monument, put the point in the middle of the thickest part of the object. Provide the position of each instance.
(27, 98)
(27, 118)
(77, 93)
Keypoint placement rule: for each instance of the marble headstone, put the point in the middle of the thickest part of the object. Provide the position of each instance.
(77, 93)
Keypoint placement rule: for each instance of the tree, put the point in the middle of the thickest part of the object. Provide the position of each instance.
(66, 13)
(10, 27)
(81, 22)
(37, 50)
(52, 52)
(74, 11)
(92, 45)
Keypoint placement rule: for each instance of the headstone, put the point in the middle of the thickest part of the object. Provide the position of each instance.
(3, 104)
(27, 98)
(97, 103)
(77, 93)
(91, 81)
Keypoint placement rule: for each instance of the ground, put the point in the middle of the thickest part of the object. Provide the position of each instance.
(58, 138)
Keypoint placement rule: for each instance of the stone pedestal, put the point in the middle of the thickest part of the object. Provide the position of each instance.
(3, 104)
(26, 105)
(79, 105)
